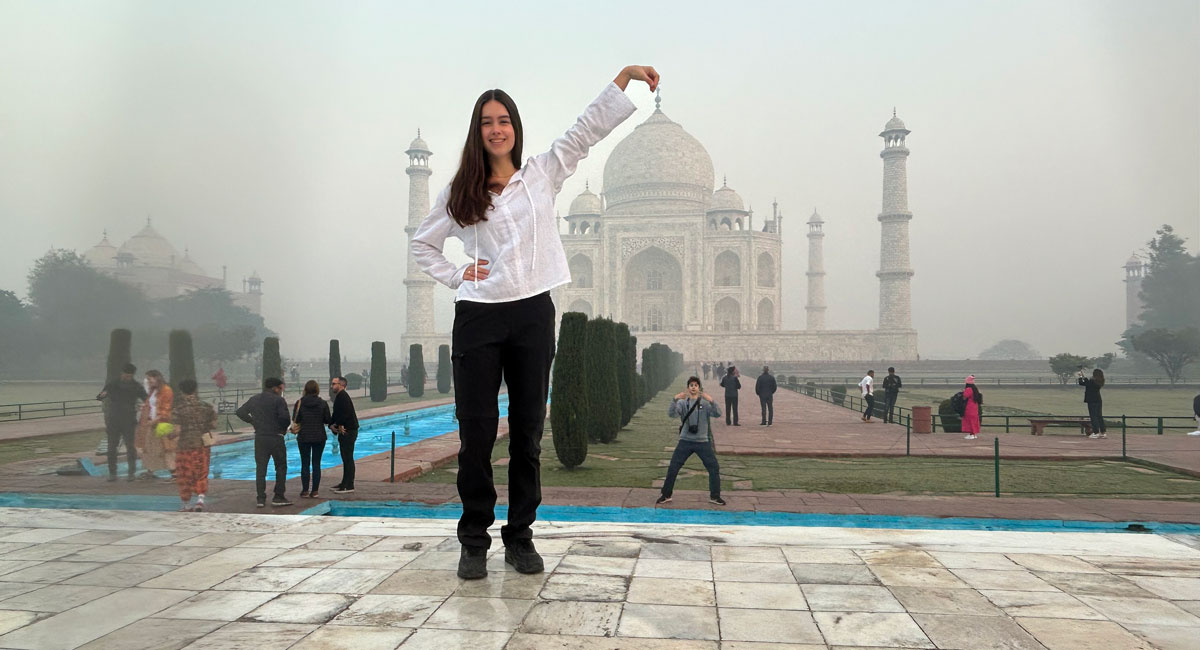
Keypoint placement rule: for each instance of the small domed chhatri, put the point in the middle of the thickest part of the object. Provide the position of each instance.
(102, 255)
(587, 204)
(726, 198)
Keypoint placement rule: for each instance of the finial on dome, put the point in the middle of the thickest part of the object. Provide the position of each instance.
(147, 220)
(418, 131)
(893, 111)
(658, 99)
(106, 233)
(587, 186)
(724, 180)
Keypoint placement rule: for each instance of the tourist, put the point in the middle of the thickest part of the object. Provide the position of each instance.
(121, 419)
(344, 424)
(268, 412)
(694, 407)
(194, 421)
(732, 385)
(765, 388)
(1091, 397)
(974, 404)
(1196, 412)
(706, 368)
(504, 321)
(891, 390)
(156, 410)
(312, 413)
(867, 386)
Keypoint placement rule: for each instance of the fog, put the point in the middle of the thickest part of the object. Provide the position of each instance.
(1049, 140)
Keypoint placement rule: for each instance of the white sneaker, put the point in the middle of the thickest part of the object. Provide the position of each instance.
(1194, 433)
(1094, 436)
(968, 437)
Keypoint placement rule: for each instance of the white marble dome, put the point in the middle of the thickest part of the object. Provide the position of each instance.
(586, 204)
(894, 124)
(659, 161)
(102, 255)
(726, 199)
(148, 248)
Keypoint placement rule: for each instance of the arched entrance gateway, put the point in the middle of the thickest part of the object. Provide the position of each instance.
(653, 298)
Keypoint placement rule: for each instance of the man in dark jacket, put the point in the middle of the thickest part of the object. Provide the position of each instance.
(765, 388)
(732, 385)
(345, 425)
(891, 391)
(120, 418)
(268, 412)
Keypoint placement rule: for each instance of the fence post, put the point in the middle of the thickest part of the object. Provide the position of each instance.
(908, 436)
(1006, 424)
(997, 461)
(1160, 425)
(1123, 456)
(392, 473)
(1123, 424)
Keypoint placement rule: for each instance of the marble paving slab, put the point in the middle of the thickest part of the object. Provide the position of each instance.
(136, 581)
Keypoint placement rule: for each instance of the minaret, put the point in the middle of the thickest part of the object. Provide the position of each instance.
(895, 299)
(816, 273)
(1135, 271)
(418, 285)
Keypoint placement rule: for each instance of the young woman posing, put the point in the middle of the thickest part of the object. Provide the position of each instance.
(503, 212)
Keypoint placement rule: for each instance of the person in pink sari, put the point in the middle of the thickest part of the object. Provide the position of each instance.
(974, 399)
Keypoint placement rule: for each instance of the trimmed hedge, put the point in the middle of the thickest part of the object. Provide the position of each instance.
(604, 418)
(335, 358)
(378, 371)
(445, 371)
(181, 360)
(272, 363)
(120, 347)
(569, 394)
(416, 371)
(625, 371)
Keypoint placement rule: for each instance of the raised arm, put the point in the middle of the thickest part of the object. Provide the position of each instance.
(603, 115)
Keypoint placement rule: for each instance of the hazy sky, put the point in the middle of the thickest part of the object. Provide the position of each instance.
(1049, 140)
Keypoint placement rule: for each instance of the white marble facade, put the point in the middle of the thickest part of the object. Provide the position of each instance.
(689, 265)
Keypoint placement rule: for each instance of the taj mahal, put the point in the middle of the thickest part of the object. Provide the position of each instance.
(686, 265)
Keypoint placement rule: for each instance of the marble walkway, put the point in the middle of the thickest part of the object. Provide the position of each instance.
(141, 580)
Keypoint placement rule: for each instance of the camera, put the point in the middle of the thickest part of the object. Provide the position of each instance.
(693, 428)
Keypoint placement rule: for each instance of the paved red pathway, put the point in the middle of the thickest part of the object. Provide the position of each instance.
(805, 426)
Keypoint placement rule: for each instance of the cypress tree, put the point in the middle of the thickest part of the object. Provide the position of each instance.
(120, 345)
(272, 363)
(416, 370)
(378, 372)
(647, 373)
(335, 358)
(445, 370)
(181, 358)
(569, 392)
(605, 399)
(624, 371)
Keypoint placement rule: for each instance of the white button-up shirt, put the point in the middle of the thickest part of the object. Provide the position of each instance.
(520, 238)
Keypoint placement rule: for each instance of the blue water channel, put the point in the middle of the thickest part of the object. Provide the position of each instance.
(235, 461)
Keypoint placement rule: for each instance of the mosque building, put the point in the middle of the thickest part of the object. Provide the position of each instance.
(149, 262)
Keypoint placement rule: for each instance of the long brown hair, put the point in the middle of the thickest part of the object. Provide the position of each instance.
(311, 387)
(469, 198)
(1098, 377)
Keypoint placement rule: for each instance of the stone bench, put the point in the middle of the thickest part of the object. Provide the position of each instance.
(1036, 425)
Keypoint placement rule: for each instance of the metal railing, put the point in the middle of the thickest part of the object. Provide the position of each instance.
(62, 408)
(903, 415)
(911, 381)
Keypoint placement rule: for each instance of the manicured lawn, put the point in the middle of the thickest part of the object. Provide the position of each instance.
(641, 451)
(12, 451)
